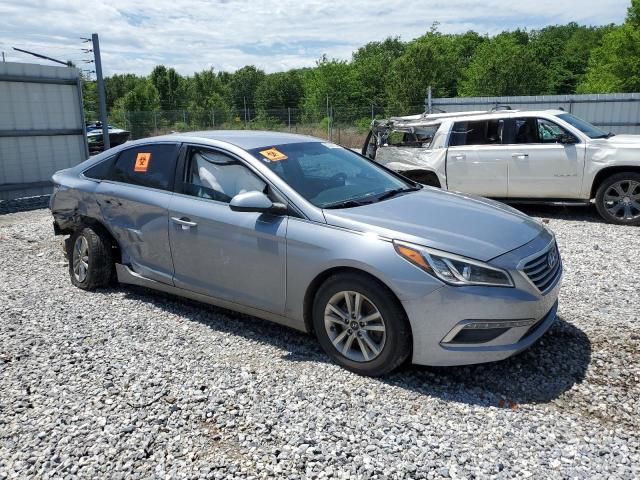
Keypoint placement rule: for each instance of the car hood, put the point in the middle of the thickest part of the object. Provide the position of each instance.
(471, 226)
(622, 140)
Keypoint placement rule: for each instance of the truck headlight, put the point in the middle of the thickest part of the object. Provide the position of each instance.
(452, 269)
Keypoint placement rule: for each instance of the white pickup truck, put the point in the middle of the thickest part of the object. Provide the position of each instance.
(516, 156)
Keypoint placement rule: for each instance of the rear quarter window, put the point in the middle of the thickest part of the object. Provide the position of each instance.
(151, 166)
(101, 170)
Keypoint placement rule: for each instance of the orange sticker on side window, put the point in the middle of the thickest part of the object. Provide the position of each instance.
(142, 162)
(273, 154)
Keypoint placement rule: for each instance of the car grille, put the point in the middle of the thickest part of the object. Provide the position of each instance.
(544, 270)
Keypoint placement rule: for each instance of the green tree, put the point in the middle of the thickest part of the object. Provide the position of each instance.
(170, 86)
(208, 99)
(504, 65)
(333, 81)
(244, 84)
(143, 98)
(633, 13)
(434, 60)
(565, 50)
(117, 86)
(89, 98)
(371, 68)
(615, 66)
(279, 91)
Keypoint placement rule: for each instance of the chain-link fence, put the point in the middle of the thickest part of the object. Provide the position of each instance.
(346, 126)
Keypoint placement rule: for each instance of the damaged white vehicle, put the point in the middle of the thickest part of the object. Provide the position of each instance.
(516, 156)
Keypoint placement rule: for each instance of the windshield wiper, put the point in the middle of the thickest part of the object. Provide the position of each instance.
(396, 191)
(346, 204)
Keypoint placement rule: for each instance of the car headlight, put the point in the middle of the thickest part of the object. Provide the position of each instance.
(452, 269)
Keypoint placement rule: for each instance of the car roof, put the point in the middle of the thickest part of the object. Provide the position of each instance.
(438, 118)
(245, 139)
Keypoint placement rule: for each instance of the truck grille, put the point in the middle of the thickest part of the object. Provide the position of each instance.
(544, 270)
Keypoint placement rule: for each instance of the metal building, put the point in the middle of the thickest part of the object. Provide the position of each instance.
(41, 126)
(614, 112)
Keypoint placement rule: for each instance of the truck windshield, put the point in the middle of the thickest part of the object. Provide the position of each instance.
(584, 126)
(330, 176)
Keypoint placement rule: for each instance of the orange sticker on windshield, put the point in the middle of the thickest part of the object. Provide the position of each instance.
(142, 162)
(273, 154)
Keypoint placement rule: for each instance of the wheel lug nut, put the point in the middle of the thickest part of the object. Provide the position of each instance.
(349, 331)
(362, 324)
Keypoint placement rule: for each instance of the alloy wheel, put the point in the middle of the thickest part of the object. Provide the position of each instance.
(355, 326)
(81, 259)
(622, 200)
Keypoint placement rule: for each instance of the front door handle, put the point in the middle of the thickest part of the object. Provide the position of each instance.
(460, 156)
(184, 222)
(520, 156)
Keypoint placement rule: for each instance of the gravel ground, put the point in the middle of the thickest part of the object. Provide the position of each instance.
(127, 383)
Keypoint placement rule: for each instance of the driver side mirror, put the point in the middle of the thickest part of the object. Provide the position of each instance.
(566, 139)
(255, 201)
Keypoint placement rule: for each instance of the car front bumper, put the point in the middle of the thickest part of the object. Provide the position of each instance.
(467, 325)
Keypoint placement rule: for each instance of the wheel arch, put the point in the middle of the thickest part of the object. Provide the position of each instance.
(607, 172)
(99, 227)
(317, 282)
(423, 176)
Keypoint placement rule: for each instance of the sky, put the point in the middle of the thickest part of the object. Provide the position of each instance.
(275, 35)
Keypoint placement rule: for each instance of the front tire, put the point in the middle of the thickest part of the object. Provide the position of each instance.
(361, 325)
(618, 199)
(90, 259)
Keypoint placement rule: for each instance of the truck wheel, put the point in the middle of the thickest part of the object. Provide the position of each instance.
(90, 259)
(360, 324)
(618, 199)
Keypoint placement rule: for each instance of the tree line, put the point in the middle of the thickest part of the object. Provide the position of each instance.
(392, 76)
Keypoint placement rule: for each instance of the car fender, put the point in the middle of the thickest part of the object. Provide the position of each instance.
(602, 155)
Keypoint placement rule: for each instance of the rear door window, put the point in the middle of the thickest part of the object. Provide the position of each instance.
(151, 166)
(483, 132)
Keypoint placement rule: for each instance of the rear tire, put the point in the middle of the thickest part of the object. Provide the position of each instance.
(370, 335)
(90, 259)
(618, 198)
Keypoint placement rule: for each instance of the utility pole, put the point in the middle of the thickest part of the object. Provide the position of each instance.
(102, 97)
(429, 101)
(3, 60)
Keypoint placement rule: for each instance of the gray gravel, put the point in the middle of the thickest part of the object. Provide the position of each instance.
(127, 383)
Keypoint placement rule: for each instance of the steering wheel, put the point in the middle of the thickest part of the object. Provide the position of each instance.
(338, 179)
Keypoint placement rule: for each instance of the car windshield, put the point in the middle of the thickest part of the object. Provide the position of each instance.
(584, 126)
(330, 176)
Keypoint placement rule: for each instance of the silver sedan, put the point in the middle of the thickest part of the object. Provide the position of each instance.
(311, 235)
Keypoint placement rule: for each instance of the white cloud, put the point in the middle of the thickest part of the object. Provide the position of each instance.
(192, 35)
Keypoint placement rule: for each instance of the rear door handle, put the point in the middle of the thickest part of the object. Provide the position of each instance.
(520, 156)
(184, 222)
(460, 156)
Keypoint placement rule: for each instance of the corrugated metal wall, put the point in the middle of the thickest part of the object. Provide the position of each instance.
(615, 112)
(41, 126)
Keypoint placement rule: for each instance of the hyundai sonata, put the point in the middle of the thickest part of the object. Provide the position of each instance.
(311, 235)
